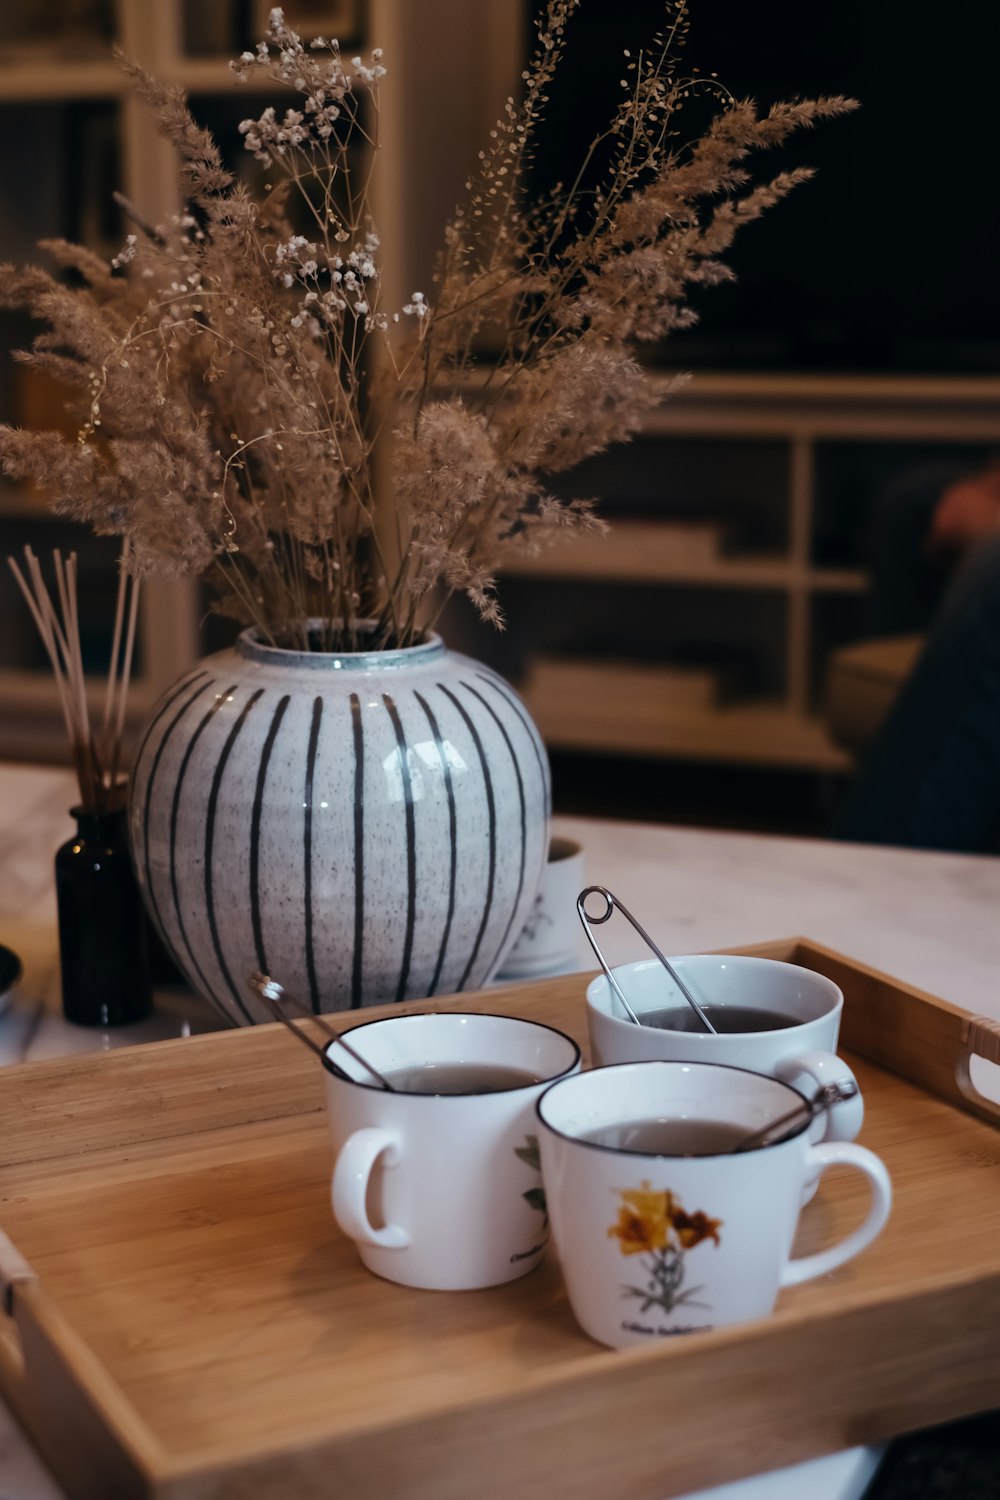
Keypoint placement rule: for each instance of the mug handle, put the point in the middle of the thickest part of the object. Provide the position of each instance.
(843, 1121)
(843, 1153)
(349, 1187)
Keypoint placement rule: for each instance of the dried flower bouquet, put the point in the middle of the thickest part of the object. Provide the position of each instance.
(238, 367)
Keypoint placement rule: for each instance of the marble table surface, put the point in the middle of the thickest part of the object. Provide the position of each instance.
(930, 919)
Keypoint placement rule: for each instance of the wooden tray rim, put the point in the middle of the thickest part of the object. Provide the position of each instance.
(41, 1322)
(48, 1076)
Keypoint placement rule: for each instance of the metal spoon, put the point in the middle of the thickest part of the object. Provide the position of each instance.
(275, 995)
(612, 901)
(801, 1114)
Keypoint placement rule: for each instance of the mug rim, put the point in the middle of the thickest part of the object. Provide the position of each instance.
(702, 1038)
(342, 1077)
(568, 849)
(668, 1062)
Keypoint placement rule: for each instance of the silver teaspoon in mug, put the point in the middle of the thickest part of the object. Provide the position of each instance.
(803, 1113)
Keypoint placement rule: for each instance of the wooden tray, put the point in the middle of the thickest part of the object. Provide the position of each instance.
(186, 1321)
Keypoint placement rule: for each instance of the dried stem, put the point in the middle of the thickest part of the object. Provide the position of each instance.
(97, 759)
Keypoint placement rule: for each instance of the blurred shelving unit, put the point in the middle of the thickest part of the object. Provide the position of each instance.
(80, 133)
(734, 558)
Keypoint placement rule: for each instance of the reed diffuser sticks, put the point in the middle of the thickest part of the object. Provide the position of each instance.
(96, 752)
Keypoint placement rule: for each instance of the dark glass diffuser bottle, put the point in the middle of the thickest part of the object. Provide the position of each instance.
(102, 924)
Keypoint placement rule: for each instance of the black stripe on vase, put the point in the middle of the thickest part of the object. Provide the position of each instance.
(213, 802)
(452, 837)
(220, 699)
(150, 893)
(524, 829)
(357, 965)
(491, 808)
(317, 716)
(188, 680)
(258, 804)
(499, 686)
(411, 845)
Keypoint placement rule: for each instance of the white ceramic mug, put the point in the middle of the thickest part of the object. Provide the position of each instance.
(802, 1054)
(549, 938)
(442, 1191)
(652, 1245)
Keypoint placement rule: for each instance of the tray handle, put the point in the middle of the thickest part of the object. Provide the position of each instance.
(14, 1271)
(983, 1041)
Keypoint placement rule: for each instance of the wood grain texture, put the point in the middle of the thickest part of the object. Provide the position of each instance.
(188, 1085)
(203, 1330)
(905, 1029)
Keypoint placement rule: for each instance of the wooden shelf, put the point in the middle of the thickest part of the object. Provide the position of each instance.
(53, 82)
(31, 724)
(651, 552)
(20, 504)
(47, 79)
(811, 408)
(831, 391)
(837, 580)
(592, 706)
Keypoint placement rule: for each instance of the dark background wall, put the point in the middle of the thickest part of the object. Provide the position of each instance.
(887, 261)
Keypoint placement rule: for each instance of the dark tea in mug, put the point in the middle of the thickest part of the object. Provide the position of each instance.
(458, 1078)
(669, 1137)
(729, 1020)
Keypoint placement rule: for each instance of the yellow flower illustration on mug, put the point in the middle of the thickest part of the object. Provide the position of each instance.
(653, 1222)
(644, 1220)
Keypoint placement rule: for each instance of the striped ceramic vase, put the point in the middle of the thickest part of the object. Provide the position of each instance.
(363, 827)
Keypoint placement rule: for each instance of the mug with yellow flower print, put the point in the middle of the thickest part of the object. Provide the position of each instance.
(661, 1229)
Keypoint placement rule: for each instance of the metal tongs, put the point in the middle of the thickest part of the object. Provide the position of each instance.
(589, 922)
(275, 996)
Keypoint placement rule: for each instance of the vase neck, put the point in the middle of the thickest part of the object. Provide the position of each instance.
(253, 649)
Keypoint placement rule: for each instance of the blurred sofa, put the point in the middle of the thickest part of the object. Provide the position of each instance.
(863, 681)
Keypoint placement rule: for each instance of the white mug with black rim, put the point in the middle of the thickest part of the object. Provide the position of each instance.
(800, 1048)
(443, 1190)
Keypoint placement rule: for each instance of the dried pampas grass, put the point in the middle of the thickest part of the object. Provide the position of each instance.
(237, 369)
